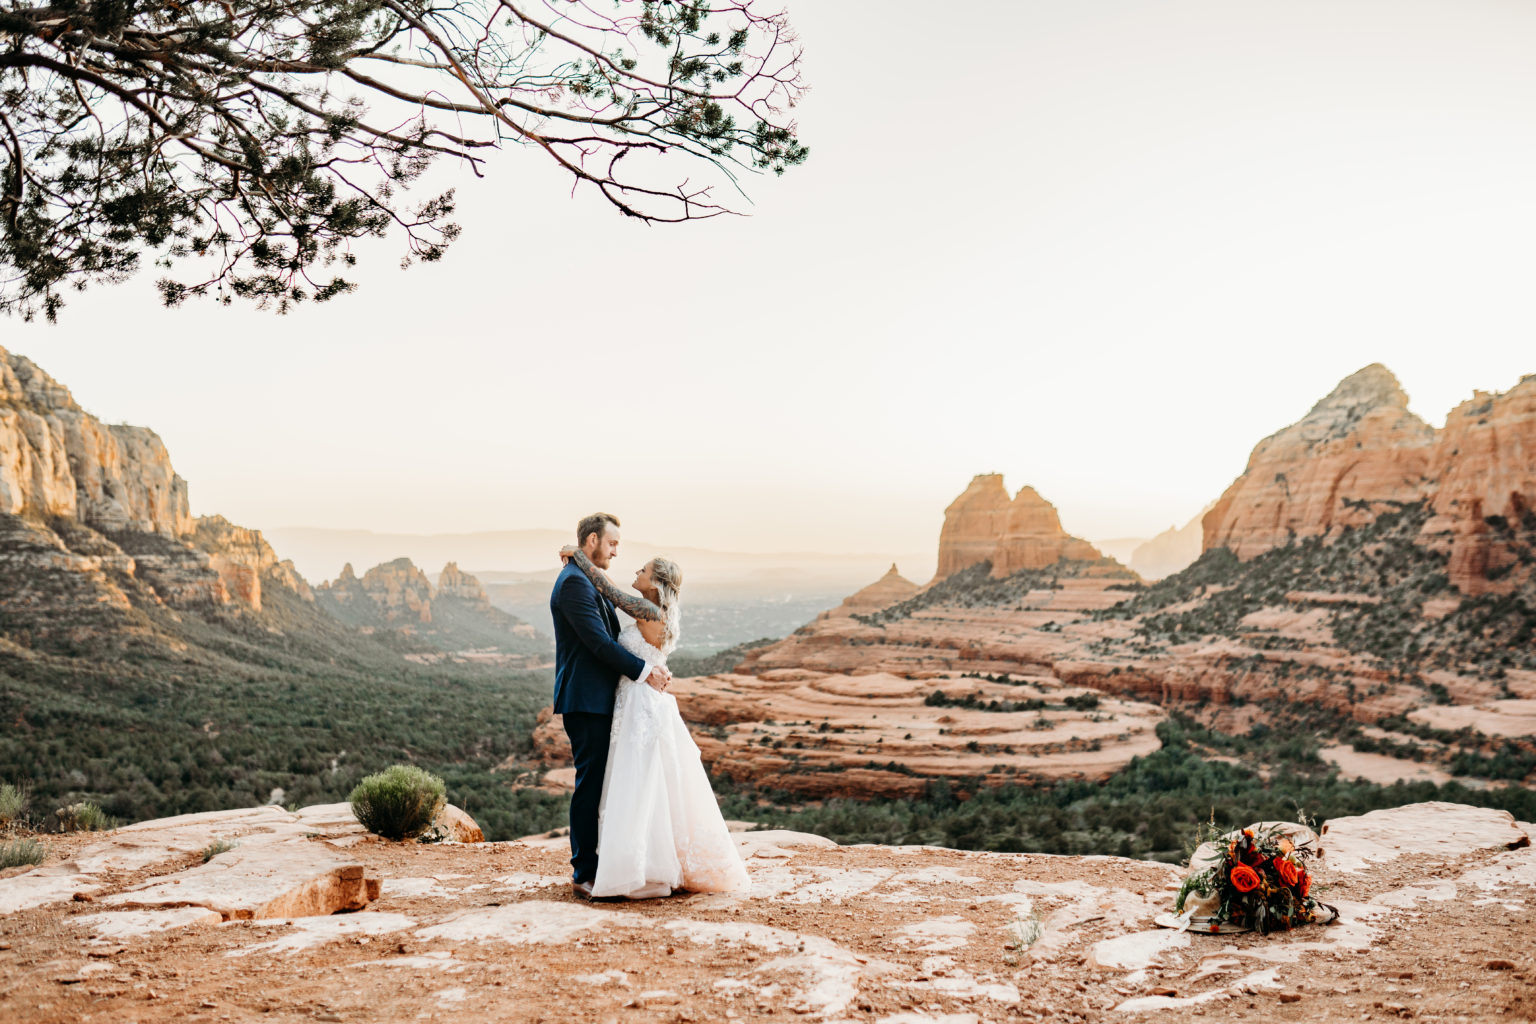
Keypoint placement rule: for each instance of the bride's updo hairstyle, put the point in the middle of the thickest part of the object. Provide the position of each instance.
(669, 580)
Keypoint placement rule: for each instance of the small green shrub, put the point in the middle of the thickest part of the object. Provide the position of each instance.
(13, 803)
(400, 802)
(217, 847)
(83, 817)
(22, 851)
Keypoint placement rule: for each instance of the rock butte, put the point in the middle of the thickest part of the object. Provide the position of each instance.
(884, 592)
(1434, 897)
(983, 525)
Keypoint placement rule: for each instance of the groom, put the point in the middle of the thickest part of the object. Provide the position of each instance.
(588, 663)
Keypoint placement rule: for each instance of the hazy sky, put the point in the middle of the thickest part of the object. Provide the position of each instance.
(1100, 247)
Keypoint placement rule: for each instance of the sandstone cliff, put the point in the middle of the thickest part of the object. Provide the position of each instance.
(983, 525)
(1484, 468)
(1358, 446)
(243, 558)
(116, 511)
(1360, 452)
(56, 460)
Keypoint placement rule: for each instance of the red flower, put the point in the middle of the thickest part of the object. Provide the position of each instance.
(1289, 873)
(1244, 878)
(1306, 884)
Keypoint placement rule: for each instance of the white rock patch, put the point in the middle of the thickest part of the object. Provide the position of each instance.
(314, 931)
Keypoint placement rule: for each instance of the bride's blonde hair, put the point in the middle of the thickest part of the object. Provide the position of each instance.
(668, 578)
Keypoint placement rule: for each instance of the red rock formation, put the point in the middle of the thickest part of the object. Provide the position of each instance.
(455, 582)
(1359, 444)
(58, 460)
(240, 556)
(972, 524)
(982, 525)
(889, 589)
(394, 593)
(1487, 454)
(1484, 466)
(1033, 537)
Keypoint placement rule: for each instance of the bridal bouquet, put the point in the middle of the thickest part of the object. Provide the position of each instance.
(1259, 881)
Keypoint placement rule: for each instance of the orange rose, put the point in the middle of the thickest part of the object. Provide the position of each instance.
(1306, 884)
(1289, 874)
(1244, 878)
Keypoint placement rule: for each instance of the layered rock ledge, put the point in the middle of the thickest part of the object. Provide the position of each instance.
(1437, 903)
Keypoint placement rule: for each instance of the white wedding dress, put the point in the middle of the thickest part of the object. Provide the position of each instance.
(659, 827)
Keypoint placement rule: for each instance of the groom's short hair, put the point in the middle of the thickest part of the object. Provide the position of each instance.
(596, 523)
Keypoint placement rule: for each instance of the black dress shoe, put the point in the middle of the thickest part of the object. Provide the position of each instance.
(582, 889)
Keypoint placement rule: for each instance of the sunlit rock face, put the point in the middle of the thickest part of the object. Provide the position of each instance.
(1484, 466)
(1360, 445)
(242, 558)
(102, 501)
(973, 523)
(58, 460)
(984, 525)
(1360, 452)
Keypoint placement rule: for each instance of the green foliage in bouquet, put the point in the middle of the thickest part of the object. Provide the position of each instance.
(401, 802)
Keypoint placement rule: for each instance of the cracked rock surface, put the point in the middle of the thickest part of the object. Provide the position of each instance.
(1438, 905)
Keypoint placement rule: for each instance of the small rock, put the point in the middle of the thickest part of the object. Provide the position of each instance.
(332, 1018)
(1290, 997)
(83, 897)
(1500, 965)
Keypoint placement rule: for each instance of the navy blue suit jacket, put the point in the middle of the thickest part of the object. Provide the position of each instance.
(588, 658)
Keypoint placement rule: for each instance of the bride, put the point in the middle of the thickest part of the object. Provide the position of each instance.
(659, 827)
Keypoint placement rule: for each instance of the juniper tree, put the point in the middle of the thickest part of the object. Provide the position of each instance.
(246, 144)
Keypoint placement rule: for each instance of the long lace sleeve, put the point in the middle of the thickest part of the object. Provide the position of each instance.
(631, 604)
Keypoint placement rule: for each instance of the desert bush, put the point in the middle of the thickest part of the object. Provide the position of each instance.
(398, 803)
(21, 852)
(217, 847)
(83, 817)
(13, 803)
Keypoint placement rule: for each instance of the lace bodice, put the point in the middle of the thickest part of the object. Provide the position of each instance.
(634, 642)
